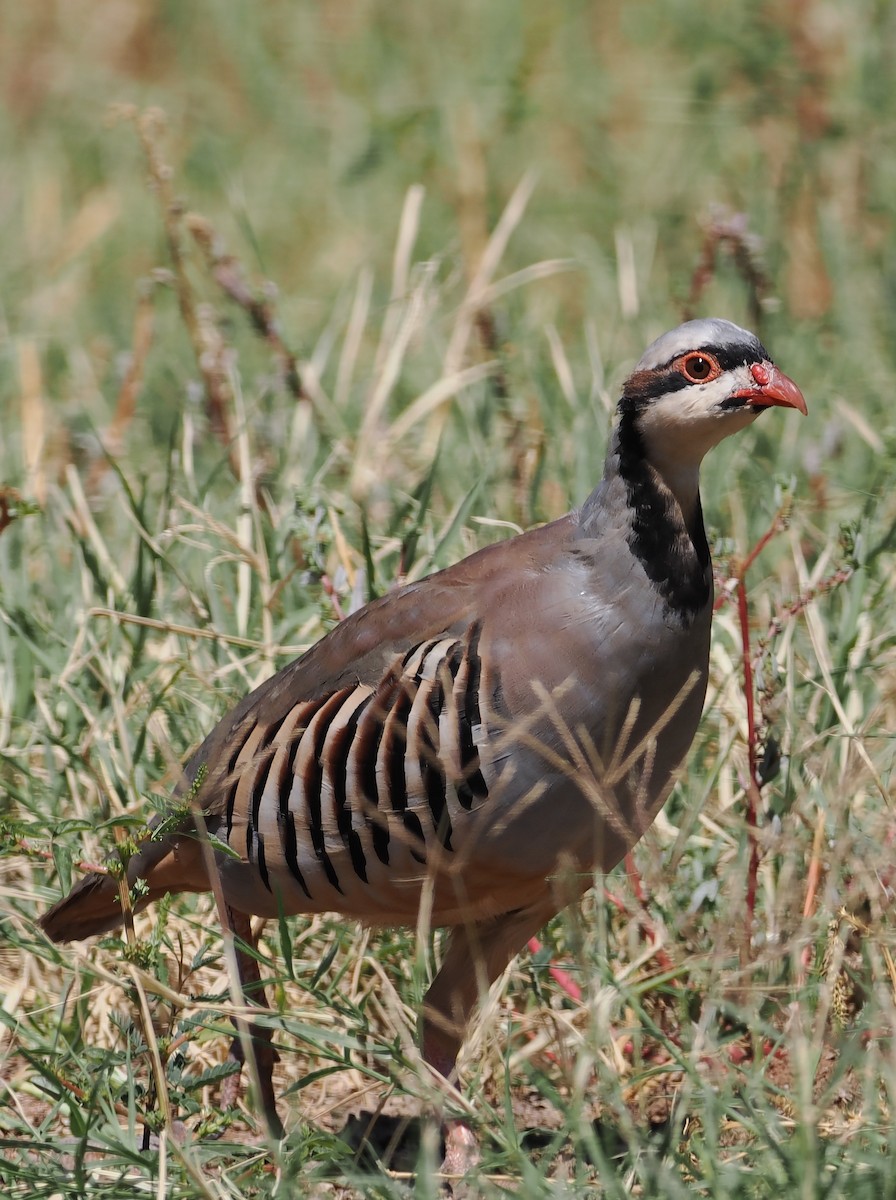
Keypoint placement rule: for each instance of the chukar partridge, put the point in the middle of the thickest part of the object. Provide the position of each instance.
(481, 741)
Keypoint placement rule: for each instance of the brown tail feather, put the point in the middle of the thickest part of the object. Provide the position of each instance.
(93, 905)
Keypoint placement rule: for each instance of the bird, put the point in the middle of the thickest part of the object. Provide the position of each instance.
(477, 744)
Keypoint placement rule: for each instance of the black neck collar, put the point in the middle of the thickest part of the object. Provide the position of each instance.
(674, 555)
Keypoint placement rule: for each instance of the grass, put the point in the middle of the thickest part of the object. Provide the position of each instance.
(207, 459)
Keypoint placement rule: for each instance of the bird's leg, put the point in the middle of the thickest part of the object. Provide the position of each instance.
(261, 1036)
(475, 955)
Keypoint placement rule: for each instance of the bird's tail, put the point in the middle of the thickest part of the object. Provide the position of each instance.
(93, 906)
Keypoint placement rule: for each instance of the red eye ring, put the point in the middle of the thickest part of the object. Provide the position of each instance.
(700, 367)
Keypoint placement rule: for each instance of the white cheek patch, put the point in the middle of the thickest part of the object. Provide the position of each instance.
(694, 404)
(684, 425)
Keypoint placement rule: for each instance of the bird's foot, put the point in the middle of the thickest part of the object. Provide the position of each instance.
(231, 1088)
(231, 1091)
(461, 1149)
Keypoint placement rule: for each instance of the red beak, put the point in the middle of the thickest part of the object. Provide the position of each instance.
(773, 387)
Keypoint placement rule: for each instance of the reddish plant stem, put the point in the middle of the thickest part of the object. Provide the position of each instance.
(753, 795)
(327, 584)
(779, 522)
(644, 923)
(561, 977)
(47, 855)
(664, 962)
(634, 878)
(753, 786)
(803, 600)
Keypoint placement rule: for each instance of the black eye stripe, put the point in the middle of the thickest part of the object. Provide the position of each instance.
(645, 386)
(649, 383)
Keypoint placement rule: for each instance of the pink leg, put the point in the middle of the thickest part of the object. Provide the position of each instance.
(474, 958)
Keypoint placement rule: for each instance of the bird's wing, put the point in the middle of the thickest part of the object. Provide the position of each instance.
(370, 647)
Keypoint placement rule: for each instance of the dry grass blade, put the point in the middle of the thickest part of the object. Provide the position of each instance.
(361, 158)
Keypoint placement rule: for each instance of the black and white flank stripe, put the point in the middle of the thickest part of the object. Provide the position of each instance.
(369, 774)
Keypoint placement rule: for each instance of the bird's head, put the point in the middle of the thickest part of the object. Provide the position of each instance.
(697, 384)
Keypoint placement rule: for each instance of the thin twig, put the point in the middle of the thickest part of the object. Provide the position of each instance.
(228, 273)
(645, 925)
(794, 607)
(730, 231)
(209, 349)
(25, 847)
(131, 384)
(327, 584)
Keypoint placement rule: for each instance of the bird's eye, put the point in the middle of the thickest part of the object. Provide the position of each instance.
(698, 368)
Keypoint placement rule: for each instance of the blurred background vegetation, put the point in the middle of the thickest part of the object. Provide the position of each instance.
(253, 470)
(299, 128)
